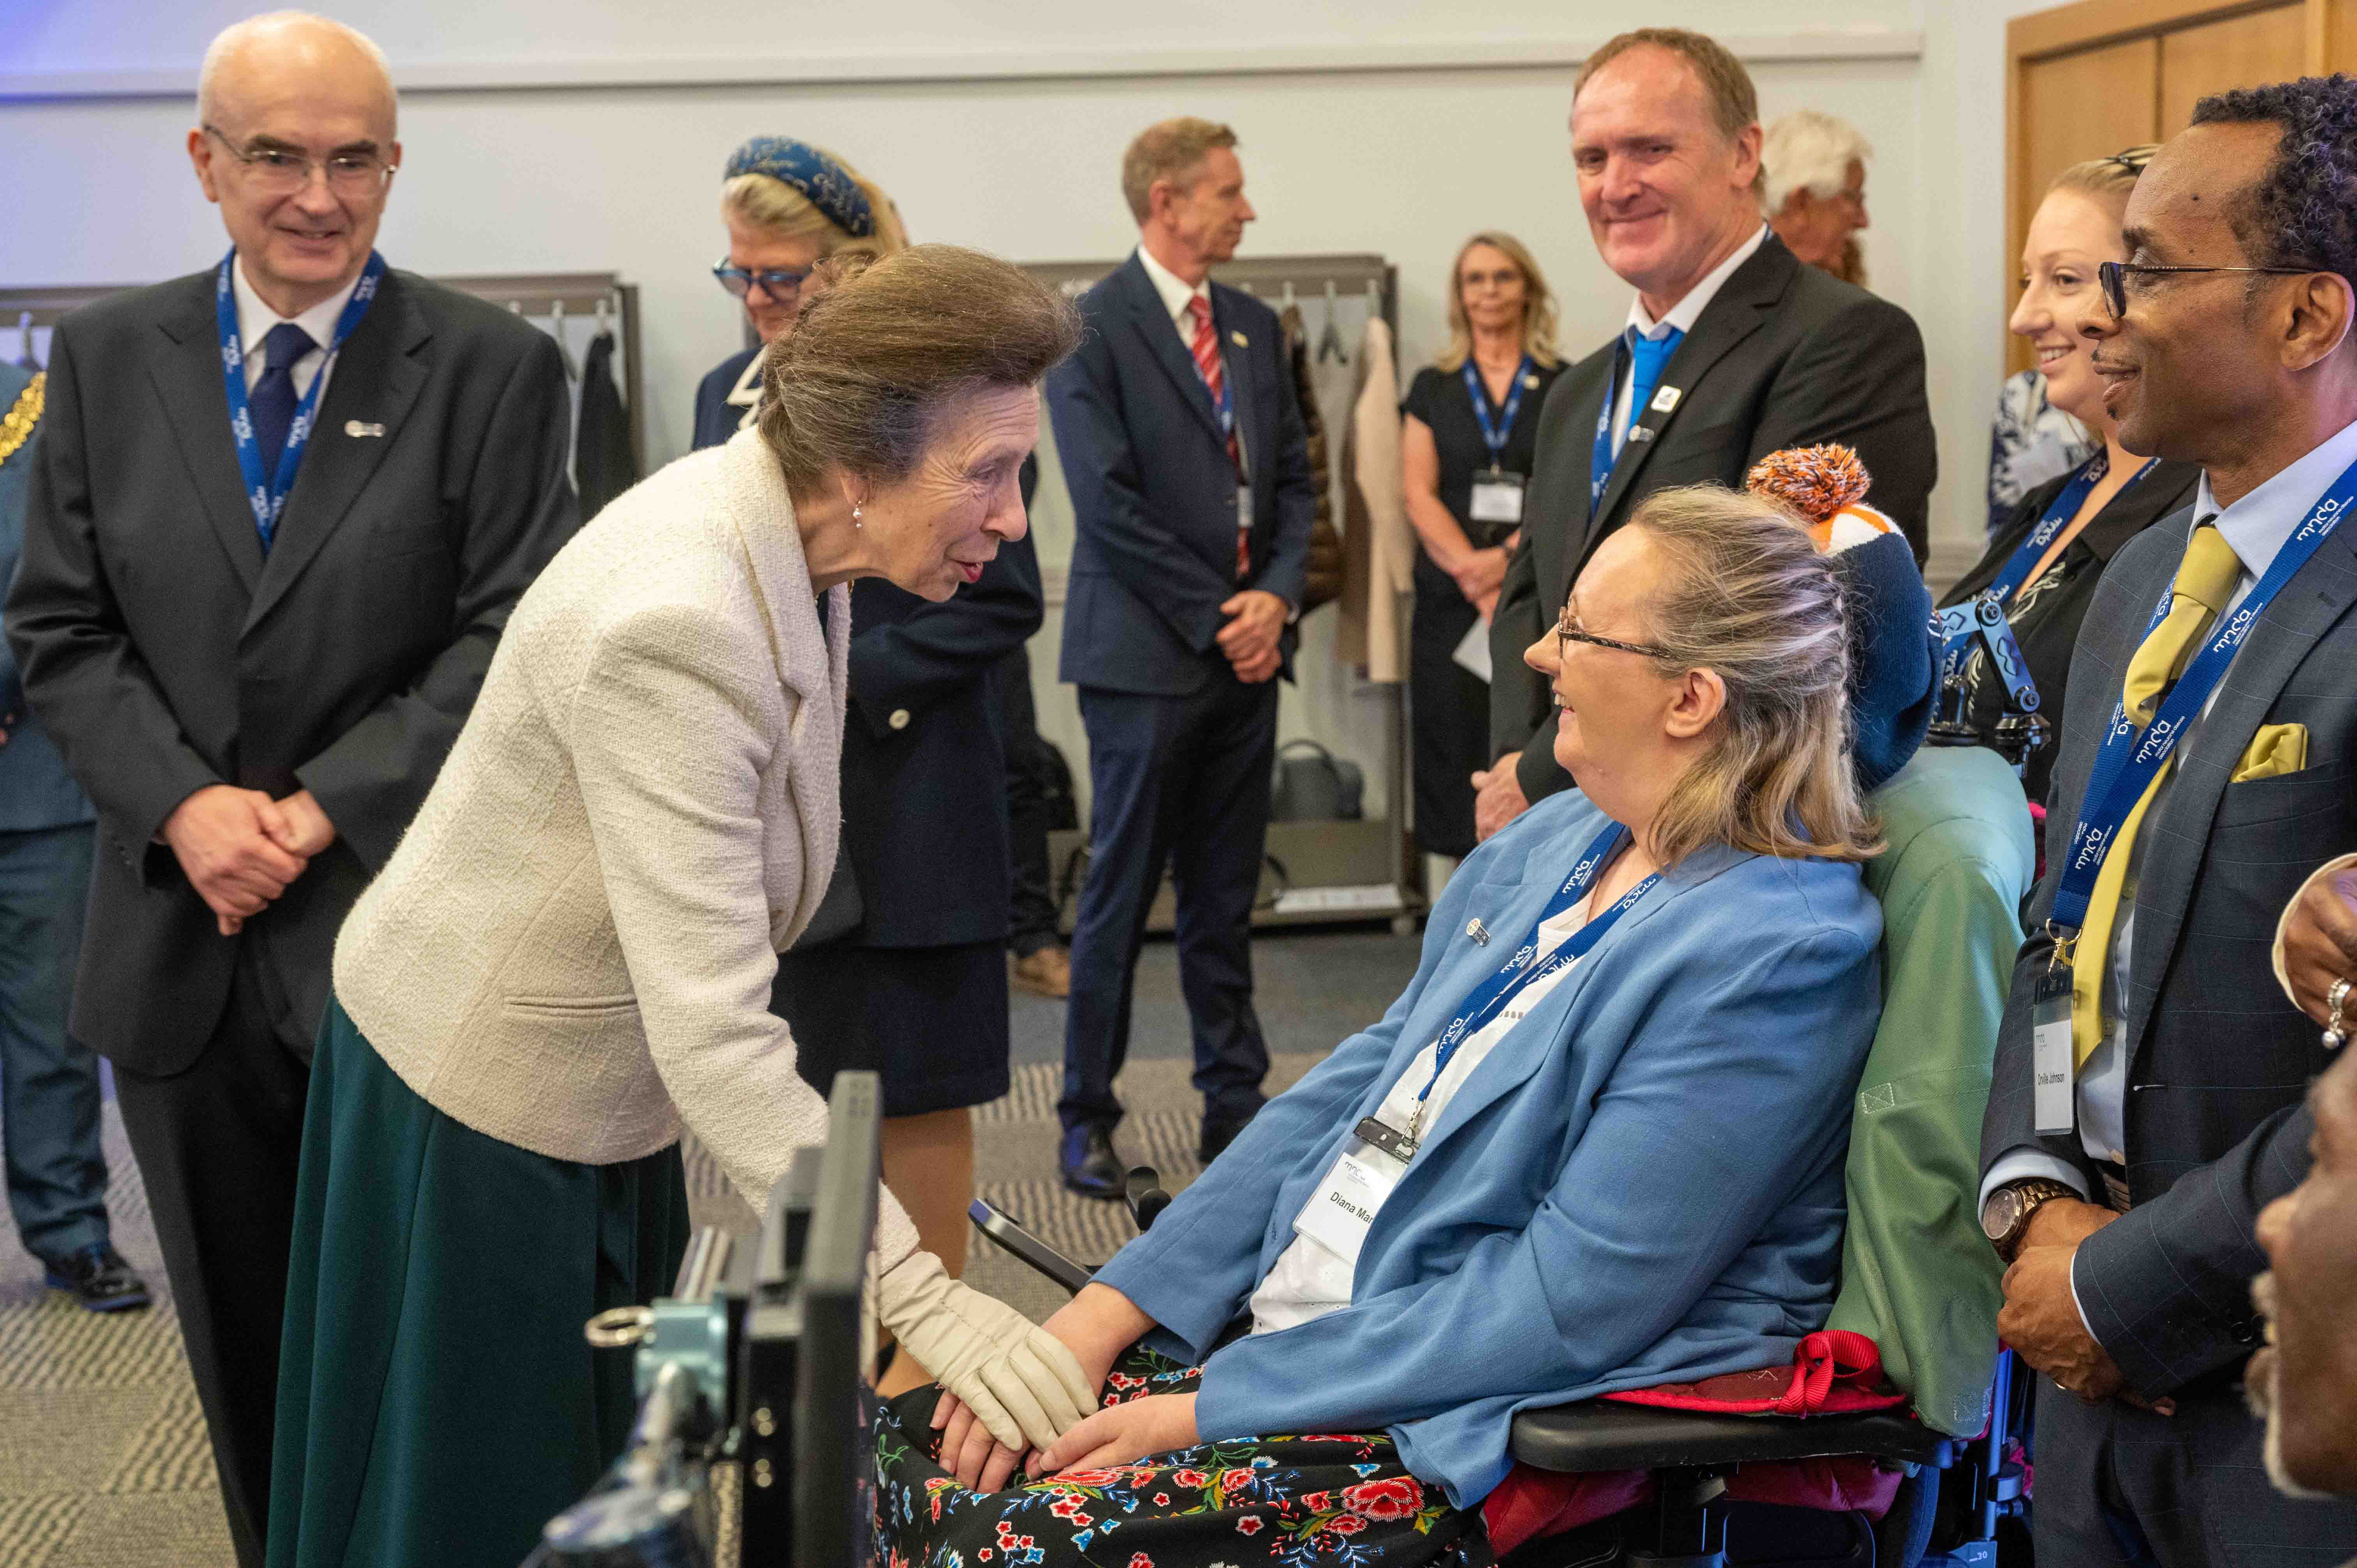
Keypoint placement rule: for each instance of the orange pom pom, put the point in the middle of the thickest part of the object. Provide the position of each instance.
(1814, 481)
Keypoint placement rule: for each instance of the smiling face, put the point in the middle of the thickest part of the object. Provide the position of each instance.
(302, 87)
(1615, 729)
(1667, 194)
(757, 250)
(1491, 289)
(2306, 1380)
(937, 529)
(2074, 232)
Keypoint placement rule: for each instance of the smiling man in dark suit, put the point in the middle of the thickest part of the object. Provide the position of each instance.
(1733, 349)
(1189, 466)
(280, 510)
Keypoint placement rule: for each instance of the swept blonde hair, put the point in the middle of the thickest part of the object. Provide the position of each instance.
(1539, 316)
(1746, 596)
(769, 204)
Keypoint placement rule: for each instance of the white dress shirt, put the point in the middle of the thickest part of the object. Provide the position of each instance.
(2257, 527)
(1679, 317)
(1178, 295)
(255, 318)
(1309, 1279)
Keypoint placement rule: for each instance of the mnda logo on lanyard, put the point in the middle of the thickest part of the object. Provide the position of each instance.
(266, 493)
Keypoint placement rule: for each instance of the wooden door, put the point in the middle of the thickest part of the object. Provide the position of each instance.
(2087, 79)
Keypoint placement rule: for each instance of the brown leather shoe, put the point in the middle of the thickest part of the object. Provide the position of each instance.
(1048, 972)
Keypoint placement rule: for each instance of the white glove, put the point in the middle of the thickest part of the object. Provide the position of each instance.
(1024, 1384)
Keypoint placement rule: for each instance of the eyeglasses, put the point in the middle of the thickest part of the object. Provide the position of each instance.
(282, 171)
(1568, 630)
(781, 284)
(2115, 275)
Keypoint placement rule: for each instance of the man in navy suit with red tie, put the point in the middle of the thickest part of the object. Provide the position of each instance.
(1189, 466)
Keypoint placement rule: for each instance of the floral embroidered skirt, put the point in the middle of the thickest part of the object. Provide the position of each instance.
(1295, 1501)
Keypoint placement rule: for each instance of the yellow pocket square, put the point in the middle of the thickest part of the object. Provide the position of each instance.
(2275, 749)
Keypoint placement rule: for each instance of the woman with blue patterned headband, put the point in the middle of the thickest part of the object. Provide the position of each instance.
(788, 206)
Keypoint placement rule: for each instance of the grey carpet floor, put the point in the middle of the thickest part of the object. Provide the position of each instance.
(104, 1462)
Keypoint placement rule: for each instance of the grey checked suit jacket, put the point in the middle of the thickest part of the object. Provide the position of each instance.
(2216, 1123)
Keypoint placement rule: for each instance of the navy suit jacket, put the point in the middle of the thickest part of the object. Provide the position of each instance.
(35, 790)
(2217, 1122)
(1153, 496)
(1641, 1184)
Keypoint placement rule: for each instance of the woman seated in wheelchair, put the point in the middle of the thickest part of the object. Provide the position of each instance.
(1597, 1145)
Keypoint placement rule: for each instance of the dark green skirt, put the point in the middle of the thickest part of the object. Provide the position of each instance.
(436, 1401)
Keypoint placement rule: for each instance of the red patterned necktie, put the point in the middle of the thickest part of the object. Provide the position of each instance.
(1206, 347)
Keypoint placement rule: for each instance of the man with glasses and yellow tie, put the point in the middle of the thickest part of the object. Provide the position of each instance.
(280, 510)
(2148, 1091)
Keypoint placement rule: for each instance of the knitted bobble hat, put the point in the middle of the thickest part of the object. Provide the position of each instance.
(1893, 662)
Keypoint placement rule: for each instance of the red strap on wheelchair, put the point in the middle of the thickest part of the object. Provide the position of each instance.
(1834, 1372)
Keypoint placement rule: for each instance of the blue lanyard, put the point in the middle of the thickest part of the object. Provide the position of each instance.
(1495, 437)
(266, 493)
(1522, 969)
(1984, 614)
(2128, 762)
(1599, 462)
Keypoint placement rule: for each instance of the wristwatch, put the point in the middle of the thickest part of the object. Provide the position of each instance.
(2005, 1218)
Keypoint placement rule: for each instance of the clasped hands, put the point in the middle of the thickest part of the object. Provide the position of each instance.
(1250, 640)
(1097, 1325)
(240, 849)
(2040, 1316)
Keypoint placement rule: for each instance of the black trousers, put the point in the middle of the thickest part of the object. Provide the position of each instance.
(1448, 714)
(1032, 917)
(1181, 780)
(217, 1146)
(2121, 1485)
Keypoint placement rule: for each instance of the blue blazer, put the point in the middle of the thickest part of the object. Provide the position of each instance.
(1154, 499)
(35, 790)
(1642, 1184)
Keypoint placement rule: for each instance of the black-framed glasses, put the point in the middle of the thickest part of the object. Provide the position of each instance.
(1568, 630)
(2114, 277)
(780, 283)
(277, 171)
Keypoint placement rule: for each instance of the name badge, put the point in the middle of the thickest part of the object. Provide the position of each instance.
(1338, 1215)
(2054, 1103)
(1498, 497)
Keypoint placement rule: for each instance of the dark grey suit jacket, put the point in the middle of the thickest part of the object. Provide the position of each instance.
(2217, 1123)
(1784, 355)
(165, 654)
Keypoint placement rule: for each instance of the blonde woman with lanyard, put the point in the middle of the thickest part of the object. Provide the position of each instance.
(1468, 436)
(2009, 625)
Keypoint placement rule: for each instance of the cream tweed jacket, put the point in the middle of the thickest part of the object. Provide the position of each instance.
(572, 948)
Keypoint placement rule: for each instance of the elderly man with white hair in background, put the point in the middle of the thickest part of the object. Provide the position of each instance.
(280, 511)
(1815, 197)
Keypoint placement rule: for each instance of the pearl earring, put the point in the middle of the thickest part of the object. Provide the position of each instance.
(855, 516)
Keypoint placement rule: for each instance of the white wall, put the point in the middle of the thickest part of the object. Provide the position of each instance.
(1383, 125)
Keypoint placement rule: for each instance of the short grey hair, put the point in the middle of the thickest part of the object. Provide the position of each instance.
(1810, 150)
(231, 39)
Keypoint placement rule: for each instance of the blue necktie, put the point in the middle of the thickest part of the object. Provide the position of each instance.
(1646, 358)
(273, 398)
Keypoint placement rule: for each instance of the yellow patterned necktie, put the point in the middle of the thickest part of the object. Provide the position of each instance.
(2205, 581)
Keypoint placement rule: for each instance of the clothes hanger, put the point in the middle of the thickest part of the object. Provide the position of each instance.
(556, 330)
(25, 358)
(1288, 294)
(1329, 341)
(605, 326)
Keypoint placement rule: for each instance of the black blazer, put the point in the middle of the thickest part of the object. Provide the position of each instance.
(2216, 1120)
(1784, 355)
(2046, 623)
(1154, 499)
(165, 654)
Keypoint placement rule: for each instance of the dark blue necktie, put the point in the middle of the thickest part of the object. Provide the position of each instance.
(273, 397)
(1646, 358)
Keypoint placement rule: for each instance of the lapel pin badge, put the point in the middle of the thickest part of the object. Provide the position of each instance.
(1241, 340)
(1531, 383)
(1640, 433)
(1665, 400)
(361, 427)
(1479, 932)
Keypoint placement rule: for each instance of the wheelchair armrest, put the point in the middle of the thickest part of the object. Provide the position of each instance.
(1601, 1434)
(1141, 1191)
(1008, 1232)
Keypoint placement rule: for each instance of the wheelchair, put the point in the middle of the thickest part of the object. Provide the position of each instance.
(1960, 861)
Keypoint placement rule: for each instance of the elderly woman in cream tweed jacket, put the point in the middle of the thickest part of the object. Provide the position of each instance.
(567, 962)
